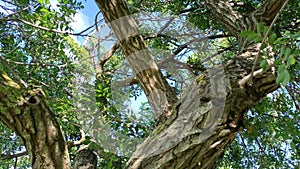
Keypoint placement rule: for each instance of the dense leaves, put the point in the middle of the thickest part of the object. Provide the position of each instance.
(36, 54)
(36, 50)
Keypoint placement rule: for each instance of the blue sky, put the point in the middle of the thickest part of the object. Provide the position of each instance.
(84, 18)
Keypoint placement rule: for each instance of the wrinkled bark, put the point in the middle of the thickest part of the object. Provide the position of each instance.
(25, 112)
(194, 132)
(202, 135)
(199, 127)
(85, 159)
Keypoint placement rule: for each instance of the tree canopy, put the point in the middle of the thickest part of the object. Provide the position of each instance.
(151, 84)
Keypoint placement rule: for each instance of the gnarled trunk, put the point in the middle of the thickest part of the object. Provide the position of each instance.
(194, 131)
(199, 127)
(26, 113)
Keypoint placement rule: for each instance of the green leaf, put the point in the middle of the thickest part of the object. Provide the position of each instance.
(260, 27)
(292, 60)
(281, 74)
(272, 38)
(86, 142)
(109, 165)
(282, 49)
(280, 41)
(284, 77)
(94, 146)
(295, 36)
(246, 33)
(44, 10)
(264, 64)
(287, 53)
(44, 1)
(293, 145)
(258, 39)
(287, 78)
(281, 68)
(252, 36)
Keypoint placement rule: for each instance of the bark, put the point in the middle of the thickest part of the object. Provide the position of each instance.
(196, 129)
(159, 93)
(207, 118)
(25, 112)
(85, 159)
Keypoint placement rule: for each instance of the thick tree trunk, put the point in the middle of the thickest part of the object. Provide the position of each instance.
(197, 138)
(26, 113)
(195, 130)
(202, 124)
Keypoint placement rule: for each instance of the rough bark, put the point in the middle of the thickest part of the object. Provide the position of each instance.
(159, 93)
(85, 159)
(25, 112)
(200, 127)
(195, 131)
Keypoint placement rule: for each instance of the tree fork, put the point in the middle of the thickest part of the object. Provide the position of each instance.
(194, 148)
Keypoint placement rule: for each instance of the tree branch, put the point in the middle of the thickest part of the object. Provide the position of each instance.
(10, 156)
(268, 11)
(48, 29)
(159, 93)
(265, 7)
(227, 16)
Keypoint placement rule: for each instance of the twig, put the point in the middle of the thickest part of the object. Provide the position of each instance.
(10, 156)
(78, 142)
(24, 9)
(249, 78)
(48, 29)
(13, 72)
(293, 97)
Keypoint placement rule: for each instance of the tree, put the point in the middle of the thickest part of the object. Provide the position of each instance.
(194, 127)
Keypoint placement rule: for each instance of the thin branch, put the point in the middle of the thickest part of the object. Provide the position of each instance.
(48, 29)
(110, 53)
(293, 97)
(11, 156)
(78, 142)
(19, 11)
(249, 78)
(218, 53)
(260, 147)
(13, 72)
(166, 25)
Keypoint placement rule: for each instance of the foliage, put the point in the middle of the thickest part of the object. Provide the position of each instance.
(270, 138)
(285, 60)
(38, 59)
(36, 50)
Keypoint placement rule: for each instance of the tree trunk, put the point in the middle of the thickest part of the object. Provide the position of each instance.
(26, 113)
(195, 133)
(159, 93)
(85, 159)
